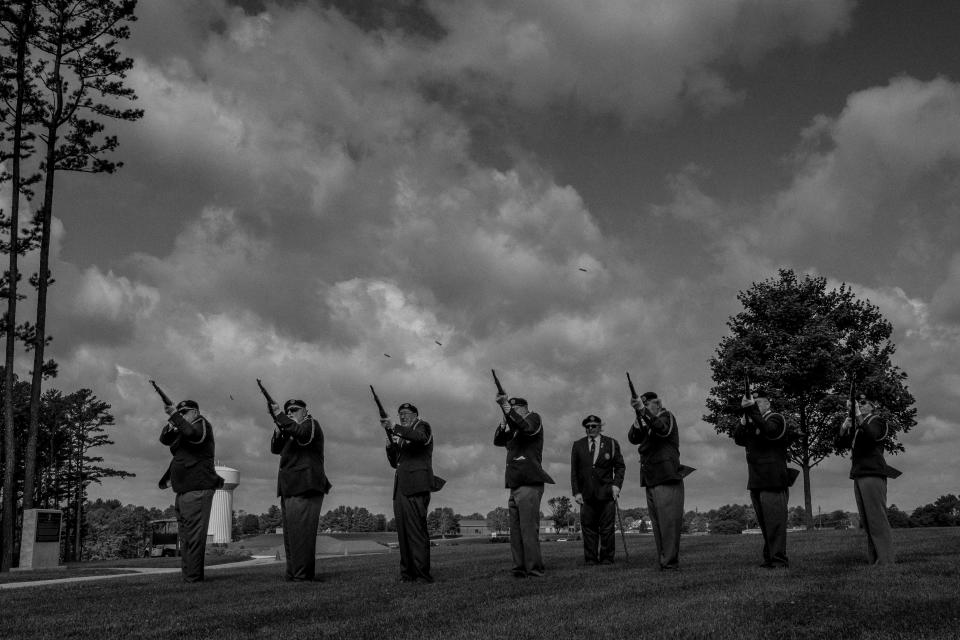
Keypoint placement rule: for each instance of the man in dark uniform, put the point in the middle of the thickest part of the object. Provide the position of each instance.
(521, 432)
(194, 480)
(869, 472)
(410, 452)
(596, 477)
(764, 435)
(301, 484)
(655, 431)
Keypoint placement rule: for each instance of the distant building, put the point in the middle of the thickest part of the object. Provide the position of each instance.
(474, 527)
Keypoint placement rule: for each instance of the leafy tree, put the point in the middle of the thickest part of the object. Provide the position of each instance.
(693, 522)
(726, 527)
(560, 511)
(250, 524)
(272, 519)
(897, 518)
(803, 343)
(78, 64)
(116, 531)
(796, 516)
(498, 520)
(944, 512)
(442, 521)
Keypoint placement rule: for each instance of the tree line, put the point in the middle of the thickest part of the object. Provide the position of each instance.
(61, 79)
(71, 430)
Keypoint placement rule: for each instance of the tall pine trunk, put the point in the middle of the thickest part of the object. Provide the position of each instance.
(43, 281)
(10, 439)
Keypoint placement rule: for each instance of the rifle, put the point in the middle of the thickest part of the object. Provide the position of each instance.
(633, 390)
(266, 394)
(746, 386)
(383, 413)
(166, 399)
(500, 390)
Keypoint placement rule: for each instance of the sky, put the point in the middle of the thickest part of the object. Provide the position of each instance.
(561, 191)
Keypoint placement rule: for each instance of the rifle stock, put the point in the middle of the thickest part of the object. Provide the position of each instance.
(633, 390)
(383, 413)
(166, 399)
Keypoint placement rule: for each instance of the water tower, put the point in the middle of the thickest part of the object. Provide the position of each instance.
(220, 528)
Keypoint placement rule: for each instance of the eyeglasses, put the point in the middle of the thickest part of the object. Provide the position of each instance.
(293, 410)
(591, 425)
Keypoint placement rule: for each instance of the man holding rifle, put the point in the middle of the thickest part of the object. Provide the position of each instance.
(596, 477)
(410, 452)
(864, 432)
(193, 477)
(301, 483)
(521, 433)
(763, 433)
(655, 431)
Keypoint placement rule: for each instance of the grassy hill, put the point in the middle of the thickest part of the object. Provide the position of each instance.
(721, 593)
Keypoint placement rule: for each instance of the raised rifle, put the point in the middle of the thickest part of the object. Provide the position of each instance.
(166, 399)
(746, 386)
(633, 390)
(500, 390)
(266, 395)
(383, 412)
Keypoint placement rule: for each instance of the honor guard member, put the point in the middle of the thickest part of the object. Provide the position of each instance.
(301, 484)
(521, 432)
(764, 435)
(869, 472)
(410, 452)
(655, 431)
(596, 477)
(194, 480)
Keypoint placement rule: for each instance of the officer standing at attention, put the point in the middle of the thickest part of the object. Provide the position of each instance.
(596, 477)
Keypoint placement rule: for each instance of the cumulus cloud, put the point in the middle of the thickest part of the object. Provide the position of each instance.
(635, 61)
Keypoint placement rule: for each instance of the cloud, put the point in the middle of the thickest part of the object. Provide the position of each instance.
(864, 166)
(636, 61)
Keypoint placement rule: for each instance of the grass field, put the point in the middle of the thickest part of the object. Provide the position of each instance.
(721, 593)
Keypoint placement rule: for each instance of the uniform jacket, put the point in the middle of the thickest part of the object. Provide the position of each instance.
(659, 448)
(523, 439)
(594, 480)
(300, 445)
(192, 446)
(410, 452)
(866, 448)
(766, 440)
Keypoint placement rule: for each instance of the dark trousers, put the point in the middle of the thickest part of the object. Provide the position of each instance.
(597, 521)
(871, 495)
(771, 510)
(524, 508)
(301, 518)
(413, 538)
(193, 519)
(665, 505)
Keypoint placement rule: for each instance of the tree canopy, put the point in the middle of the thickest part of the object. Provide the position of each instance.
(803, 343)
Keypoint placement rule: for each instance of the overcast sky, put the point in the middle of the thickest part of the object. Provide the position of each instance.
(309, 191)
